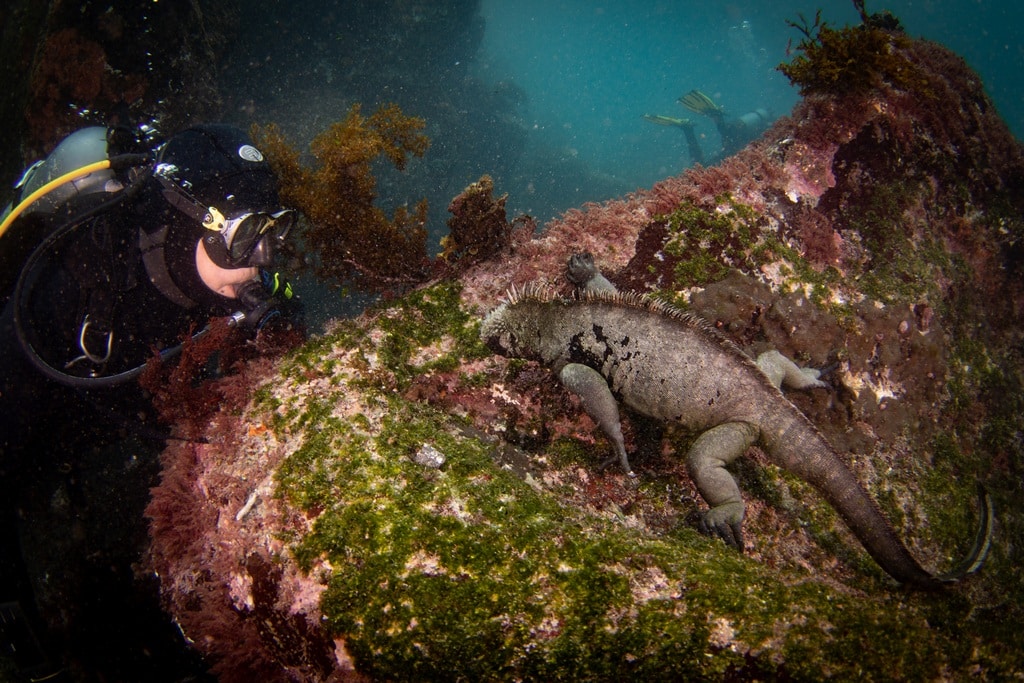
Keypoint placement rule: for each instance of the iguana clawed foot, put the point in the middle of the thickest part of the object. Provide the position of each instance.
(598, 402)
(618, 460)
(725, 522)
(781, 371)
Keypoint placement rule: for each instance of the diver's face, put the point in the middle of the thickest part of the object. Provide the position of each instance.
(223, 281)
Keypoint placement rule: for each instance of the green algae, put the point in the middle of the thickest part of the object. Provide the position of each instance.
(708, 243)
(906, 261)
(983, 441)
(467, 572)
(424, 318)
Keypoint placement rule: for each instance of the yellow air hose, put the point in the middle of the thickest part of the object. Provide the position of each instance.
(66, 178)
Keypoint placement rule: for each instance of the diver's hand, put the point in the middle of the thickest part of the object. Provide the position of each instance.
(256, 304)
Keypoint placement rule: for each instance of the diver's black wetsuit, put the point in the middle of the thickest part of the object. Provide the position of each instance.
(76, 465)
(77, 460)
(97, 271)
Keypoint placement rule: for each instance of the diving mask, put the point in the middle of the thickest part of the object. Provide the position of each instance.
(243, 236)
(238, 242)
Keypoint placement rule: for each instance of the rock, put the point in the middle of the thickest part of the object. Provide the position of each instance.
(428, 456)
(518, 559)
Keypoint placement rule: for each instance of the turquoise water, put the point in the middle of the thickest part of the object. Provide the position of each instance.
(590, 70)
(547, 96)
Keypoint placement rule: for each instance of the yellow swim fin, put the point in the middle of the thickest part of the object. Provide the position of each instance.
(668, 121)
(699, 103)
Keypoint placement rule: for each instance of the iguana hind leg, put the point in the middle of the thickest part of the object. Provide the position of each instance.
(598, 402)
(710, 453)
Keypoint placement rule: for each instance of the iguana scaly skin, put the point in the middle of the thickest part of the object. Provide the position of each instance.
(612, 348)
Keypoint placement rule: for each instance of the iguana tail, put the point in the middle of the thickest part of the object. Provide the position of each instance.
(802, 450)
(982, 541)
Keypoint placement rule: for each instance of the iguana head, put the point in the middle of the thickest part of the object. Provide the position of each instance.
(498, 335)
(518, 327)
(527, 325)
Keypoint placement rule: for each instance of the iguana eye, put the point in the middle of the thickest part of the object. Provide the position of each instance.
(511, 344)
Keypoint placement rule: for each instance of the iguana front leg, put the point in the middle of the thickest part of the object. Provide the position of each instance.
(585, 275)
(710, 453)
(781, 371)
(598, 402)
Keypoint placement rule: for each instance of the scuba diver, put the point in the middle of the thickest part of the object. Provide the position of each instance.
(692, 143)
(734, 132)
(141, 247)
(116, 248)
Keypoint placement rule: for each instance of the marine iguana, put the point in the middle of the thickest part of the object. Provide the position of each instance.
(611, 347)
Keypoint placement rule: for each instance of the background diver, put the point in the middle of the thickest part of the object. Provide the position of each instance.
(734, 132)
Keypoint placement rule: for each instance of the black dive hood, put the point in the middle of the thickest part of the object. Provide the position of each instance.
(214, 165)
(218, 165)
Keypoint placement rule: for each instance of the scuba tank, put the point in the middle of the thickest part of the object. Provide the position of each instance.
(79, 172)
(81, 150)
(57, 200)
(756, 122)
(78, 175)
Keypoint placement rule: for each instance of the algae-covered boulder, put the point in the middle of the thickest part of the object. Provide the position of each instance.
(391, 502)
